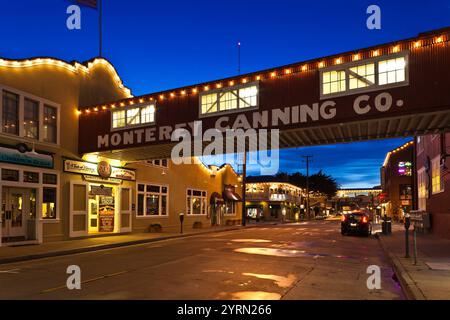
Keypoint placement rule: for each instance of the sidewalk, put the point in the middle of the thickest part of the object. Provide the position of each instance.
(62, 248)
(430, 278)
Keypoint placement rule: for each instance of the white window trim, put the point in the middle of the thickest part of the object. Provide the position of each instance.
(206, 202)
(159, 216)
(230, 214)
(224, 90)
(38, 186)
(42, 101)
(376, 87)
(133, 126)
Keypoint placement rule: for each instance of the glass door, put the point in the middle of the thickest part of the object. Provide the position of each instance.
(15, 208)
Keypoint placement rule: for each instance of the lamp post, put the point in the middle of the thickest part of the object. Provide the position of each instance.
(244, 178)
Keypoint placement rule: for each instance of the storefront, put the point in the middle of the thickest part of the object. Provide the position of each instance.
(100, 198)
(29, 194)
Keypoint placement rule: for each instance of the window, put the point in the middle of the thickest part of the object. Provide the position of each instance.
(364, 76)
(230, 208)
(28, 116)
(133, 117)
(10, 114)
(49, 204)
(163, 163)
(152, 200)
(50, 124)
(241, 97)
(30, 177)
(119, 119)
(392, 71)
(406, 192)
(333, 81)
(10, 175)
(49, 178)
(423, 189)
(31, 119)
(196, 202)
(437, 185)
(405, 168)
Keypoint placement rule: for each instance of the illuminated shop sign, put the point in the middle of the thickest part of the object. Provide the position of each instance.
(105, 171)
(405, 169)
(22, 156)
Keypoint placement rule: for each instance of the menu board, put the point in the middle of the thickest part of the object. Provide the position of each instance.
(106, 214)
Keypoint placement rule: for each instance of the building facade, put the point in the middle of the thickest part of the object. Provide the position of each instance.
(397, 182)
(271, 199)
(50, 192)
(363, 198)
(433, 180)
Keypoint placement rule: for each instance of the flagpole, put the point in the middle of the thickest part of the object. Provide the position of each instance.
(100, 28)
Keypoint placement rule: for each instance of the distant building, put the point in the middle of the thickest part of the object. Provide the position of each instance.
(397, 182)
(433, 180)
(359, 197)
(272, 199)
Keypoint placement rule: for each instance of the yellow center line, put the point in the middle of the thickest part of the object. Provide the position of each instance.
(86, 281)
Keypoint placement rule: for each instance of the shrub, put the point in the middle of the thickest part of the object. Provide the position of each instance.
(155, 228)
(197, 225)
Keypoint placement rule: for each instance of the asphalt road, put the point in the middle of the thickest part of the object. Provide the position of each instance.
(302, 261)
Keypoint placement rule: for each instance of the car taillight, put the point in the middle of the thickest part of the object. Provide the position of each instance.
(343, 218)
(365, 220)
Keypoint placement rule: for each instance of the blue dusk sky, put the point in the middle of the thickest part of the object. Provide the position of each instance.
(158, 45)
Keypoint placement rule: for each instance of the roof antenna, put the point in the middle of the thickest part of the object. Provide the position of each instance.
(239, 57)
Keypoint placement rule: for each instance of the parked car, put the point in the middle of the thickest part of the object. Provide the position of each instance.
(356, 222)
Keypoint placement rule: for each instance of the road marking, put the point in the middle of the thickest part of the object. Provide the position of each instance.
(86, 281)
(12, 271)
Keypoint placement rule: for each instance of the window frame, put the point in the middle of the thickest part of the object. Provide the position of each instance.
(422, 181)
(150, 163)
(145, 193)
(205, 210)
(437, 160)
(141, 107)
(233, 206)
(21, 116)
(376, 87)
(224, 91)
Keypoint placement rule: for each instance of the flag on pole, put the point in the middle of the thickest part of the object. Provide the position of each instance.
(88, 3)
(96, 4)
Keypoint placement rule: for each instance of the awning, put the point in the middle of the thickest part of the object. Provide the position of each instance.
(230, 194)
(216, 198)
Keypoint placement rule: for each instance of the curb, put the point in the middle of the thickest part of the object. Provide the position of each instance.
(109, 246)
(409, 287)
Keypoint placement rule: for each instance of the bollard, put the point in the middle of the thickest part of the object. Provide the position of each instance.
(181, 222)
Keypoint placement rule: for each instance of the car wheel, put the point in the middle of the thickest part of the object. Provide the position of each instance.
(343, 232)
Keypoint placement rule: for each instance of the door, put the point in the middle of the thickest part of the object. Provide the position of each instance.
(15, 208)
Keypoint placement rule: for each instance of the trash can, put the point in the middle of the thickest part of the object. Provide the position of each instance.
(389, 226)
(386, 226)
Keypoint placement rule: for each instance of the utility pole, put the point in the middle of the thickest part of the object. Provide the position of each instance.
(307, 159)
(244, 187)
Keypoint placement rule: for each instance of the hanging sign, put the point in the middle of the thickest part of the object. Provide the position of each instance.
(102, 169)
(24, 157)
